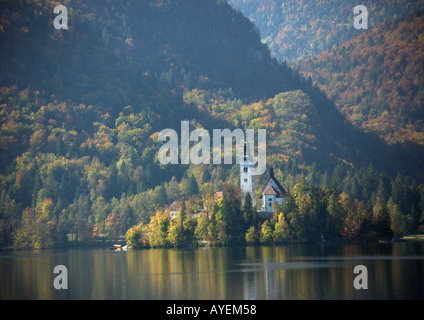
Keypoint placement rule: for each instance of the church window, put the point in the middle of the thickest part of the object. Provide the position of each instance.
(245, 180)
(245, 169)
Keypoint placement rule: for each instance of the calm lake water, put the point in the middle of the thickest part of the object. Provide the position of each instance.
(395, 271)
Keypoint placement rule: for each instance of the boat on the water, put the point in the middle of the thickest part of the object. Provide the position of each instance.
(118, 247)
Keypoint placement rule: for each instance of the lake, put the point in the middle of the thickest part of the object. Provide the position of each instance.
(301, 271)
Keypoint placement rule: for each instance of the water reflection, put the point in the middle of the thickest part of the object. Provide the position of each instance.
(285, 272)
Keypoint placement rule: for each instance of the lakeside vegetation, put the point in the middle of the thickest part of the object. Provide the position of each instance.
(309, 214)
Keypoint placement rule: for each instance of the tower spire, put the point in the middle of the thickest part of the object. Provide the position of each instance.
(247, 179)
(245, 151)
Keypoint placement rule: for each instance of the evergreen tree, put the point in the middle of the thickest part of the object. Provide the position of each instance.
(400, 194)
(193, 187)
(9, 218)
(213, 225)
(249, 214)
(400, 224)
(383, 228)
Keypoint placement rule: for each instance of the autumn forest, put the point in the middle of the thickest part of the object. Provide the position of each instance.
(81, 110)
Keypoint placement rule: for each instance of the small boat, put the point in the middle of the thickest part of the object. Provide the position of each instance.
(116, 247)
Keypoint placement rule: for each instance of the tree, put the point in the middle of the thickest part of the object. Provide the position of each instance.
(175, 235)
(181, 215)
(213, 224)
(229, 217)
(319, 199)
(281, 230)
(249, 214)
(289, 207)
(158, 229)
(251, 236)
(400, 224)
(400, 194)
(134, 236)
(265, 235)
(9, 218)
(26, 234)
(201, 230)
(382, 221)
(334, 217)
(112, 225)
(193, 187)
(172, 190)
(180, 232)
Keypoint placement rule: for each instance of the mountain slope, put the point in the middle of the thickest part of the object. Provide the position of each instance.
(119, 44)
(376, 79)
(297, 29)
(146, 54)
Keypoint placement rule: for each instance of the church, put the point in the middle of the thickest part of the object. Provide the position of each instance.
(272, 193)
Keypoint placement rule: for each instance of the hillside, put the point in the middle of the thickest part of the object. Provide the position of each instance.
(80, 112)
(121, 46)
(376, 79)
(297, 29)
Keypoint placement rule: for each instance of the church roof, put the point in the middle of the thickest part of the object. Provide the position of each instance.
(274, 187)
(269, 189)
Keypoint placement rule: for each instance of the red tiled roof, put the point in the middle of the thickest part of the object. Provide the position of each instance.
(269, 189)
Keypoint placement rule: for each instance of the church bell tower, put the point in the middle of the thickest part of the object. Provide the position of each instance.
(247, 178)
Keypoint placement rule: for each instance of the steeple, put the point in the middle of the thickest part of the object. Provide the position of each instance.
(245, 152)
(247, 179)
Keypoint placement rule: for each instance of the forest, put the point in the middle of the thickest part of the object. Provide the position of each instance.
(374, 76)
(375, 79)
(297, 29)
(80, 113)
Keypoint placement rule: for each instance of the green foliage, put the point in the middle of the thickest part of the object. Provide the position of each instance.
(281, 232)
(251, 236)
(400, 223)
(249, 212)
(134, 236)
(79, 139)
(265, 234)
(295, 30)
(158, 230)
